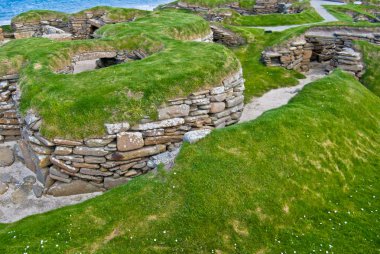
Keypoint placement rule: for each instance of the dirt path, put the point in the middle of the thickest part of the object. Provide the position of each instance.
(278, 97)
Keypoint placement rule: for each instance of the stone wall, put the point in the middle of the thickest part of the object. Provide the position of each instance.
(80, 26)
(325, 45)
(35, 28)
(226, 37)
(9, 119)
(266, 6)
(1, 34)
(68, 167)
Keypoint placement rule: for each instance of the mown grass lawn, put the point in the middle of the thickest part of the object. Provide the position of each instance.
(300, 179)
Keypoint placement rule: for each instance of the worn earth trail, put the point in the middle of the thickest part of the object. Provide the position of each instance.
(278, 97)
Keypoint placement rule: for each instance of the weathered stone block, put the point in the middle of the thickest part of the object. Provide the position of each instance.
(90, 151)
(173, 111)
(127, 141)
(140, 153)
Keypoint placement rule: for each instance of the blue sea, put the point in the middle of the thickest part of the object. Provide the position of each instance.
(11, 8)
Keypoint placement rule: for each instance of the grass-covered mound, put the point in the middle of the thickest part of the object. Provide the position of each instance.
(246, 4)
(39, 15)
(341, 12)
(277, 19)
(300, 179)
(78, 105)
(371, 56)
(111, 14)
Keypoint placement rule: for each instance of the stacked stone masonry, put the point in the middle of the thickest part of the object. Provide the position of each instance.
(9, 118)
(68, 167)
(1, 34)
(75, 27)
(333, 46)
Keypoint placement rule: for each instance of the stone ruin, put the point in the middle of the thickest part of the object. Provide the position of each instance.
(331, 46)
(78, 26)
(67, 167)
(260, 7)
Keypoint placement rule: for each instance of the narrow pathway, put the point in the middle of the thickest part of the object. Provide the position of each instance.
(318, 6)
(278, 97)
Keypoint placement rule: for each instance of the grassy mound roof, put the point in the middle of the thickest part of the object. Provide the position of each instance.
(111, 13)
(299, 179)
(78, 105)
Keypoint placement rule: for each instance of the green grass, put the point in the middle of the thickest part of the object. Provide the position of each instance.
(258, 77)
(77, 106)
(340, 12)
(277, 19)
(247, 4)
(371, 56)
(300, 178)
(113, 14)
(6, 28)
(38, 15)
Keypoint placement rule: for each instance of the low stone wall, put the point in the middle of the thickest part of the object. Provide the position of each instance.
(226, 37)
(1, 34)
(9, 119)
(266, 6)
(76, 27)
(68, 167)
(330, 44)
(35, 28)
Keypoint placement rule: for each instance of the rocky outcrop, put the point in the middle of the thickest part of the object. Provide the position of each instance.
(329, 45)
(68, 167)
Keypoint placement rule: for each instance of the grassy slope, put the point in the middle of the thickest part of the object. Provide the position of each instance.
(371, 55)
(340, 11)
(215, 3)
(259, 78)
(300, 178)
(67, 103)
(307, 16)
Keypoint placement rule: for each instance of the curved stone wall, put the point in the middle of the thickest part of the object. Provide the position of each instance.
(68, 167)
(333, 45)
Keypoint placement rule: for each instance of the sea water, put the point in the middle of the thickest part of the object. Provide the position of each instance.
(11, 8)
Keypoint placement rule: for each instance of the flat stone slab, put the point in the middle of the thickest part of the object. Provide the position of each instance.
(6, 156)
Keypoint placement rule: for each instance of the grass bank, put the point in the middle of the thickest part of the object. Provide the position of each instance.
(371, 56)
(305, 17)
(258, 77)
(300, 179)
(341, 12)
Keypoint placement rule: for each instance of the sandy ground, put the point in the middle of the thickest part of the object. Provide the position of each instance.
(19, 201)
(277, 97)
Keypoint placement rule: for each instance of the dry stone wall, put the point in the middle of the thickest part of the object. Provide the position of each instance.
(68, 167)
(9, 118)
(1, 34)
(80, 26)
(325, 45)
